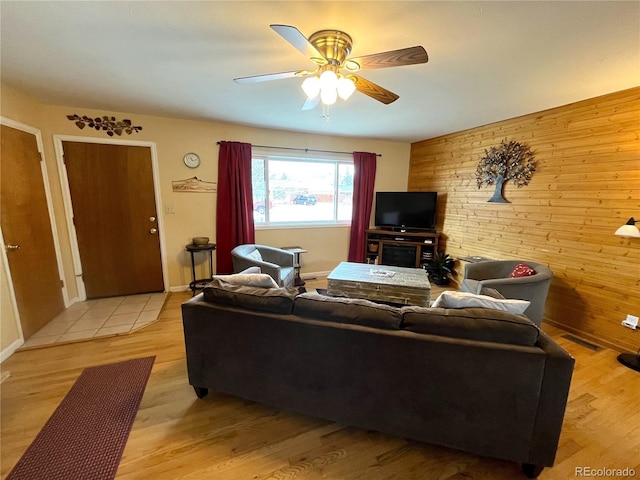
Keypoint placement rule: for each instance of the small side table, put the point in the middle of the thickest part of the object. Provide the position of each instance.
(199, 284)
(298, 282)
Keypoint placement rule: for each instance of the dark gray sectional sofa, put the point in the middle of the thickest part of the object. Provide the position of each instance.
(483, 381)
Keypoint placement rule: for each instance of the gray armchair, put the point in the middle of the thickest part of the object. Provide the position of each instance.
(276, 262)
(495, 274)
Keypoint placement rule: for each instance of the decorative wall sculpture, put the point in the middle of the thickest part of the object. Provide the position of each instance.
(194, 185)
(105, 123)
(508, 161)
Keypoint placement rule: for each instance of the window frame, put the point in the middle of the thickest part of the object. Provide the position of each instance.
(326, 158)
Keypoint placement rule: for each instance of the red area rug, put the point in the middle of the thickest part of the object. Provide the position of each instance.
(86, 435)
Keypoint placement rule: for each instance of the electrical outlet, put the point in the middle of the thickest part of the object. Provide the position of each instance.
(630, 322)
(169, 208)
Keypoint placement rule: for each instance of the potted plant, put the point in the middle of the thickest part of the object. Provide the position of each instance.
(439, 268)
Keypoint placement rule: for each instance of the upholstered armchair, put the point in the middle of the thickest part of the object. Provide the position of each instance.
(495, 275)
(276, 262)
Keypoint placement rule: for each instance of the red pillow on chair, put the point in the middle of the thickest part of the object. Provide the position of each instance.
(522, 270)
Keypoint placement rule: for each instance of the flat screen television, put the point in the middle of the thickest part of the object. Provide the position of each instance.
(406, 210)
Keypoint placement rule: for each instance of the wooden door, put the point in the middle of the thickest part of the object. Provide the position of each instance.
(26, 228)
(115, 218)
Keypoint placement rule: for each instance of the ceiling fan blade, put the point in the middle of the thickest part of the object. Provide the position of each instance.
(311, 103)
(393, 58)
(374, 91)
(298, 40)
(272, 76)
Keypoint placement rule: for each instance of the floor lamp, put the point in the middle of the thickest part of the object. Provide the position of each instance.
(630, 360)
(630, 230)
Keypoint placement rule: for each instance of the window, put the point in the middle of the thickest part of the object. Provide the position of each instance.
(301, 190)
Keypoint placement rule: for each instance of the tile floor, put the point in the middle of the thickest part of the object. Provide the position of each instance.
(99, 318)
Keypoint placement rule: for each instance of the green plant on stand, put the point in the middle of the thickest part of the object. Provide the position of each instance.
(440, 267)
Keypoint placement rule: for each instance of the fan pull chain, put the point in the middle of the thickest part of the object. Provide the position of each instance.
(325, 112)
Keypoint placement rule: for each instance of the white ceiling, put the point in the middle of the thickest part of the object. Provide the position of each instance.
(488, 61)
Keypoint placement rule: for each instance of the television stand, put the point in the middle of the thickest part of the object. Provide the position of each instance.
(402, 249)
(409, 230)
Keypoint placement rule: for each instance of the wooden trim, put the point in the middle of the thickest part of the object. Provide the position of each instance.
(585, 336)
(66, 195)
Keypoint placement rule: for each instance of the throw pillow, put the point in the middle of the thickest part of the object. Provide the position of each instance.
(522, 270)
(249, 279)
(255, 255)
(251, 270)
(450, 299)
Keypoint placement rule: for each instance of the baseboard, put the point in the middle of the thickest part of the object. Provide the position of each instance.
(314, 275)
(73, 301)
(7, 352)
(179, 288)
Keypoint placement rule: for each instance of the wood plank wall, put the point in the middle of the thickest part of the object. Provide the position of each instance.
(586, 185)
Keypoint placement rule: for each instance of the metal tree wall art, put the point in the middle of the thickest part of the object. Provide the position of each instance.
(508, 161)
(105, 123)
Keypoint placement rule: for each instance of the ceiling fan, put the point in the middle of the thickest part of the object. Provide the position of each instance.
(335, 73)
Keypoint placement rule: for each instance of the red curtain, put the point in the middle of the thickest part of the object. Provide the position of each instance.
(364, 177)
(234, 218)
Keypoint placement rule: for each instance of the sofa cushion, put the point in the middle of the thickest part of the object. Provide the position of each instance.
(451, 299)
(249, 279)
(347, 310)
(470, 285)
(276, 300)
(287, 274)
(472, 323)
(491, 292)
(255, 255)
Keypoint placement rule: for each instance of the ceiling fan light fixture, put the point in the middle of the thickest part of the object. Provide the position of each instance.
(328, 80)
(345, 87)
(351, 66)
(329, 50)
(311, 87)
(328, 95)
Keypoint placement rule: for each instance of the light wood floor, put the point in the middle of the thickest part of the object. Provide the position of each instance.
(177, 436)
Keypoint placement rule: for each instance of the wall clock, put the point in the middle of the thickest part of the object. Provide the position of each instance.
(191, 160)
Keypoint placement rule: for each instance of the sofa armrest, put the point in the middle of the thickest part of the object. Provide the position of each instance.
(487, 270)
(283, 258)
(517, 282)
(271, 269)
(241, 263)
(554, 393)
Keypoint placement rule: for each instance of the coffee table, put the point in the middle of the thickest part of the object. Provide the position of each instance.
(408, 286)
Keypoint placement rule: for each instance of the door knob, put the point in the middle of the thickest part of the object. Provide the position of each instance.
(153, 231)
(12, 247)
(152, 219)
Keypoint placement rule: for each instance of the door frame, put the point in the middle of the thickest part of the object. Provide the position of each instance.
(68, 205)
(8, 351)
(7, 122)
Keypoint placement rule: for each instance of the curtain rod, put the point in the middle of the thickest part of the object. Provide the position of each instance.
(305, 149)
